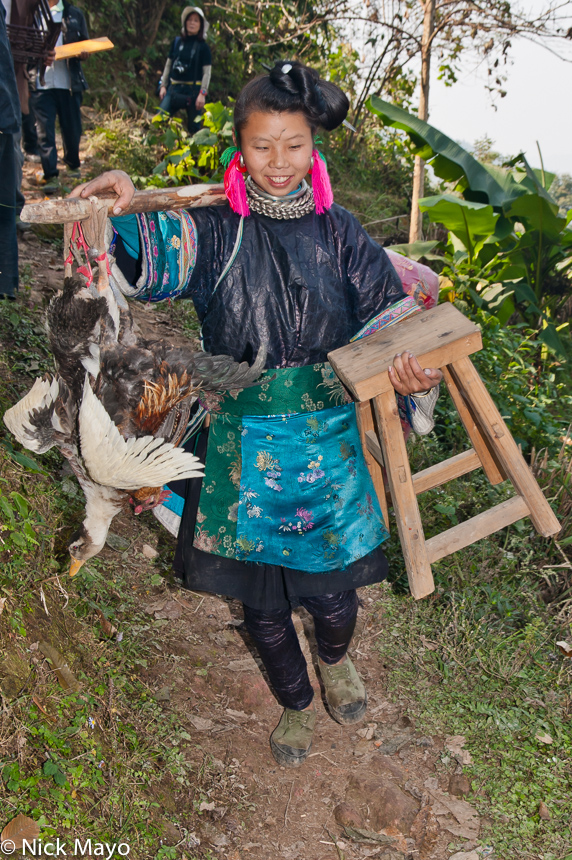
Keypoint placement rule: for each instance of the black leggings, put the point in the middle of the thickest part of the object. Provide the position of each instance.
(277, 642)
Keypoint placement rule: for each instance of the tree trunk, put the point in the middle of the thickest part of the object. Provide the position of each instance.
(415, 231)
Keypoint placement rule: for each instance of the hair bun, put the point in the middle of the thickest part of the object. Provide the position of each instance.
(323, 102)
(291, 87)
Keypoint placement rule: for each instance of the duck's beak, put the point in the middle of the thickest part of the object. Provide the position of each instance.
(75, 566)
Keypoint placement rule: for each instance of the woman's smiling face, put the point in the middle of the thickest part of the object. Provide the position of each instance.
(277, 150)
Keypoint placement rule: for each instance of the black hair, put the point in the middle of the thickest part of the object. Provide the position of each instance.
(200, 34)
(291, 87)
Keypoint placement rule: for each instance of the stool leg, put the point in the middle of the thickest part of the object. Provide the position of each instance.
(403, 495)
(365, 423)
(478, 438)
(474, 392)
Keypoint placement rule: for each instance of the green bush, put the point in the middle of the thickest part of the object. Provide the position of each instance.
(534, 396)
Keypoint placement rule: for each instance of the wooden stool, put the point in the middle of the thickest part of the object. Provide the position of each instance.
(441, 337)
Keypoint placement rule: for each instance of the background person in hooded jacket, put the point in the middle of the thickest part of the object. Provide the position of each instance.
(187, 73)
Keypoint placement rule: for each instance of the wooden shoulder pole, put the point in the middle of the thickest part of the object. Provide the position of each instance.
(70, 209)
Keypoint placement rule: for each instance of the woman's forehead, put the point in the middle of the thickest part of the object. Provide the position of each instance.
(276, 126)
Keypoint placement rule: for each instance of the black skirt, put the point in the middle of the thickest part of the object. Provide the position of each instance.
(260, 586)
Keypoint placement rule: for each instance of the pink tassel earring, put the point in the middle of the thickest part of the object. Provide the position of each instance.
(323, 195)
(234, 186)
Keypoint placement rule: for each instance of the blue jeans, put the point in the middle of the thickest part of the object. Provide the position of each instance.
(65, 105)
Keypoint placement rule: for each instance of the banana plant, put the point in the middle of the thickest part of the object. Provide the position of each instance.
(508, 249)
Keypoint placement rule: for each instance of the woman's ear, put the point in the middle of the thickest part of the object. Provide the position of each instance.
(234, 137)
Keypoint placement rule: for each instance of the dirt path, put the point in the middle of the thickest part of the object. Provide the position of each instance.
(375, 790)
(366, 791)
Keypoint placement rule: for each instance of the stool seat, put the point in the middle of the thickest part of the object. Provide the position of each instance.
(441, 337)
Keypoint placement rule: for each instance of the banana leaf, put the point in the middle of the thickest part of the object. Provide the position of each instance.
(540, 214)
(418, 250)
(498, 300)
(472, 223)
(449, 160)
(531, 177)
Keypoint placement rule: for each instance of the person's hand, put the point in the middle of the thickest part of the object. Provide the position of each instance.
(50, 58)
(112, 180)
(408, 377)
(200, 102)
(162, 93)
(83, 56)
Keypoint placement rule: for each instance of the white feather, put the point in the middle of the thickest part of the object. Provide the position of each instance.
(91, 362)
(128, 464)
(42, 394)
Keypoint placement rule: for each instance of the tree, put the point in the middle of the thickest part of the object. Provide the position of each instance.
(561, 190)
(398, 34)
(483, 151)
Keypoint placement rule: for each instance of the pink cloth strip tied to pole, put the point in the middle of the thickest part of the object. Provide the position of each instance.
(78, 238)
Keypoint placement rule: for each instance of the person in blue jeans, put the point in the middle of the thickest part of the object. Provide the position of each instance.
(185, 80)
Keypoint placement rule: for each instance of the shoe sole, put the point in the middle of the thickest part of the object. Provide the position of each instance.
(347, 719)
(287, 759)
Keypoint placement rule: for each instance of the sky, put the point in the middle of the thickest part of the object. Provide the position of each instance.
(537, 107)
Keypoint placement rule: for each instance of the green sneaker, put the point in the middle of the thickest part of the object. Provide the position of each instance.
(291, 740)
(345, 693)
(51, 185)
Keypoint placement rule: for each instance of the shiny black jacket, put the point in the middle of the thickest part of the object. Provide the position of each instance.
(303, 287)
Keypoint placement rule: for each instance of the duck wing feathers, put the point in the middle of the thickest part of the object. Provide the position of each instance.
(128, 464)
(44, 417)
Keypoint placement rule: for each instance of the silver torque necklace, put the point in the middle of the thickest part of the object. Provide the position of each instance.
(301, 202)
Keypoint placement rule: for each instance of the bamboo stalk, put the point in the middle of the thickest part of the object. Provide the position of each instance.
(69, 209)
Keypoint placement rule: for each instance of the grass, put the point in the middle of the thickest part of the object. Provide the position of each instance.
(479, 659)
(103, 762)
